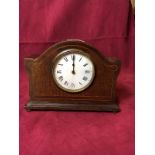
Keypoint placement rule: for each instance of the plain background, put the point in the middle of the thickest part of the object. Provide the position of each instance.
(106, 25)
(144, 82)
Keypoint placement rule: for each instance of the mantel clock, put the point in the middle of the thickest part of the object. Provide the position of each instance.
(72, 75)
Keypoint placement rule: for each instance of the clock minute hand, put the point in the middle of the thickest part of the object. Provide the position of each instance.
(73, 71)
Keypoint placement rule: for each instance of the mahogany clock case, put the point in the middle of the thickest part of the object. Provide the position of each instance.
(45, 95)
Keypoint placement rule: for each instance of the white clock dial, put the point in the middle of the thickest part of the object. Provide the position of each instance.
(73, 70)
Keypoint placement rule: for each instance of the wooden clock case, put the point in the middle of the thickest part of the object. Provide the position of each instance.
(45, 95)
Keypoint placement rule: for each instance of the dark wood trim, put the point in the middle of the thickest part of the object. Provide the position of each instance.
(81, 106)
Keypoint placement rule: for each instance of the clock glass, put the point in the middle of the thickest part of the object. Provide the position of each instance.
(73, 70)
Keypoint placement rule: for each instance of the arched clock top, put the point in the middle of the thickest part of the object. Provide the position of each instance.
(53, 50)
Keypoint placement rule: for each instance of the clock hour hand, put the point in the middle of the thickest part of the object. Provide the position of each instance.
(73, 71)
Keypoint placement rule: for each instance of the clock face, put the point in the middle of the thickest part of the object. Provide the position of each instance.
(73, 70)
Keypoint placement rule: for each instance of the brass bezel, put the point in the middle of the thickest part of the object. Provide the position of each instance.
(66, 52)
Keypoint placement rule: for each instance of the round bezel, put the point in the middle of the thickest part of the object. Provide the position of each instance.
(67, 52)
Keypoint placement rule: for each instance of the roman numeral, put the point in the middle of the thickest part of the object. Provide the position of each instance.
(60, 78)
(85, 78)
(80, 83)
(87, 71)
(80, 59)
(66, 83)
(85, 65)
(72, 85)
(59, 71)
(60, 64)
(65, 58)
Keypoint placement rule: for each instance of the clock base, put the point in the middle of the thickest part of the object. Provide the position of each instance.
(81, 106)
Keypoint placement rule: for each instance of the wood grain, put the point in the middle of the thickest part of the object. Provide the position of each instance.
(44, 91)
